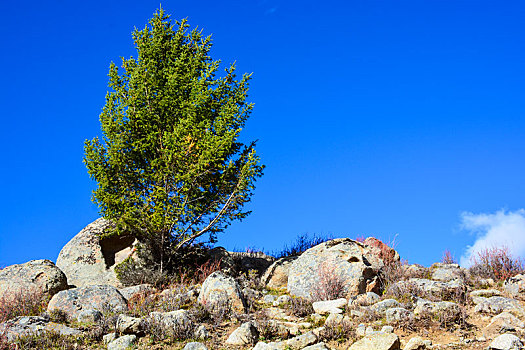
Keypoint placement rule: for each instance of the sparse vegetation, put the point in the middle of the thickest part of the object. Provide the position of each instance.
(300, 307)
(496, 263)
(330, 284)
(22, 303)
(302, 243)
(448, 258)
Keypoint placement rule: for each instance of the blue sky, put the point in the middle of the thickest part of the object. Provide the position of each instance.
(398, 119)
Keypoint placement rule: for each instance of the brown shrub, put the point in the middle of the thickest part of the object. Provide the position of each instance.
(496, 263)
(300, 307)
(405, 292)
(26, 303)
(330, 284)
(447, 258)
(338, 331)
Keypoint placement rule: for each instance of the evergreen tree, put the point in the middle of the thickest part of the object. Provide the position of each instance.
(170, 167)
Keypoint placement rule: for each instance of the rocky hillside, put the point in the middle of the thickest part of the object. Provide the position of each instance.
(340, 294)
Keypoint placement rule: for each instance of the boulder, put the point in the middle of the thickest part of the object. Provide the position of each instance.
(504, 322)
(201, 333)
(220, 290)
(124, 342)
(276, 276)
(88, 259)
(130, 292)
(89, 316)
(366, 299)
(436, 289)
(506, 342)
(74, 301)
(130, 325)
(246, 334)
(445, 310)
(179, 319)
(36, 276)
(380, 252)
(447, 272)
(417, 343)
(397, 314)
(318, 346)
(384, 305)
(515, 286)
(330, 306)
(343, 261)
(29, 325)
(377, 341)
(496, 305)
(485, 293)
(195, 346)
(251, 261)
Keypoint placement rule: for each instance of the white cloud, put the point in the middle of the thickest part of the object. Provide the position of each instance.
(495, 230)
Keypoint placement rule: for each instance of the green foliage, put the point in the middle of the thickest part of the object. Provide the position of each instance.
(170, 167)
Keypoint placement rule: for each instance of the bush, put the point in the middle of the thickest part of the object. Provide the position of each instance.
(330, 284)
(338, 331)
(27, 303)
(301, 244)
(496, 263)
(447, 258)
(300, 307)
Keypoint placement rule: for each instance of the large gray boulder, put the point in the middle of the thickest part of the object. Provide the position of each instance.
(515, 286)
(496, 305)
(343, 260)
(506, 342)
(31, 325)
(276, 276)
(437, 289)
(89, 260)
(101, 298)
(36, 276)
(220, 290)
(447, 272)
(504, 322)
(444, 310)
(377, 341)
(246, 334)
